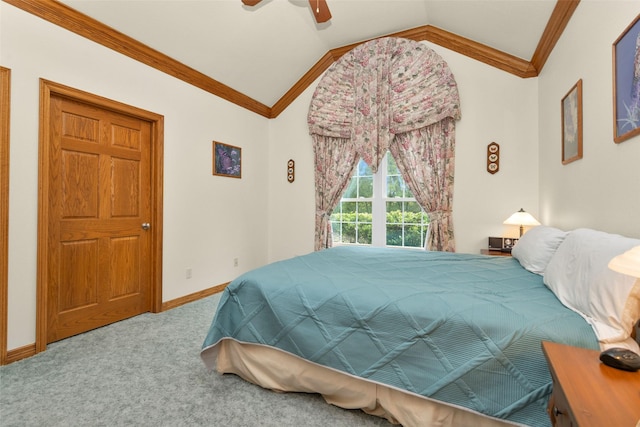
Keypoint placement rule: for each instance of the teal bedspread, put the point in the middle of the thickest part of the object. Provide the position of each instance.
(459, 328)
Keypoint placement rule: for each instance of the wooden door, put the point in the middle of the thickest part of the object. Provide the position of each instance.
(98, 240)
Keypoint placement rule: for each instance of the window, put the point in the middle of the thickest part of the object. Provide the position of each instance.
(379, 210)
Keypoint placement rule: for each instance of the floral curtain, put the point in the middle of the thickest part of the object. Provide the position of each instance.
(335, 160)
(425, 158)
(377, 91)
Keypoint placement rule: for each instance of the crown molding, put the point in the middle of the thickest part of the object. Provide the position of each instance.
(70, 19)
(558, 21)
(85, 26)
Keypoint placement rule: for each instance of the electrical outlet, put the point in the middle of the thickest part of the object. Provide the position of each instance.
(235, 262)
(188, 273)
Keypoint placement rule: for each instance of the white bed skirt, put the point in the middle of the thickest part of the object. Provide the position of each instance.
(280, 371)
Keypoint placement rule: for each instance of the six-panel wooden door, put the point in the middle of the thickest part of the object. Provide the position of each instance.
(99, 213)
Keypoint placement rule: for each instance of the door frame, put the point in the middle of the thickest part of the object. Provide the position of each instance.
(47, 90)
(5, 107)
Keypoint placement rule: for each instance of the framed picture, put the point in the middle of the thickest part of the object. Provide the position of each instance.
(227, 160)
(626, 83)
(572, 124)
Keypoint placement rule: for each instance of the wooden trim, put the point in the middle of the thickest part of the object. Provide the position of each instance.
(20, 353)
(157, 213)
(562, 13)
(5, 110)
(301, 85)
(43, 213)
(85, 26)
(464, 46)
(558, 21)
(47, 89)
(193, 297)
(480, 52)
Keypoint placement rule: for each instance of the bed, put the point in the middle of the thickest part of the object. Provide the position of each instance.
(417, 337)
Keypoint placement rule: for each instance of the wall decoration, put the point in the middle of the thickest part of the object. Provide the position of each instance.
(572, 124)
(626, 83)
(227, 160)
(493, 158)
(291, 170)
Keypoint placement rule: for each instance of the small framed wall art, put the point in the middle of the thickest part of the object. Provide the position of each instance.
(572, 124)
(626, 83)
(227, 160)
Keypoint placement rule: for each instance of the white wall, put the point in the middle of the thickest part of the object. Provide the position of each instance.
(208, 220)
(496, 106)
(601, 190)
(291, 205)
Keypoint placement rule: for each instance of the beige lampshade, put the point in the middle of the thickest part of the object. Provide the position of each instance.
(627, 263)
(521, 218)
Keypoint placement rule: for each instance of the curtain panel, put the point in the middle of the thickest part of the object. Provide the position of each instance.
(376, 92)
(425, 158)
(335, 160)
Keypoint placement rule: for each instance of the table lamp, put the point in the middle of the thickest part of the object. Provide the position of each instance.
(621, 358)
(521, 218)
(627, 263)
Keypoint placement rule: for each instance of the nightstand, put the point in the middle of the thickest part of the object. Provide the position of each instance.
(588, 393)
(494, 253)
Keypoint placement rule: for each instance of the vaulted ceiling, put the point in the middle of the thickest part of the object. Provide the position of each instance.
(262, 57)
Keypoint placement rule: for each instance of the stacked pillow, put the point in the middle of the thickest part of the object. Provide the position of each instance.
(575, 267)
(579, 275)
(536, 247)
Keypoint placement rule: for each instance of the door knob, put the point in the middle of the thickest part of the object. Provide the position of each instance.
(146, 226)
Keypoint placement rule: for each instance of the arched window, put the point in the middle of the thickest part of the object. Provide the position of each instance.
(387, 94)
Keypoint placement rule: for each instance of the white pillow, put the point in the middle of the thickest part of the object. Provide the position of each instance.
(536, 247)
(579, 276)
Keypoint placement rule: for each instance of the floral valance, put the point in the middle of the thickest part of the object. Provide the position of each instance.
(382, 88)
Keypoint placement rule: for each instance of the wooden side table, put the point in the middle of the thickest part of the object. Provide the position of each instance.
(494, 252)
(588, 393)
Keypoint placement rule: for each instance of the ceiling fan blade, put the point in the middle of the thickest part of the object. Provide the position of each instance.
(320, 10)
(251, 2)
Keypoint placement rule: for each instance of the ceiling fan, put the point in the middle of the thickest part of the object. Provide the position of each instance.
(319, 7)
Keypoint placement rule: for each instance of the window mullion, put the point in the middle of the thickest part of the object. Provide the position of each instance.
(379, 234)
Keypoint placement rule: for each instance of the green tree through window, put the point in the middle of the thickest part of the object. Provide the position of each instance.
(379, 210)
